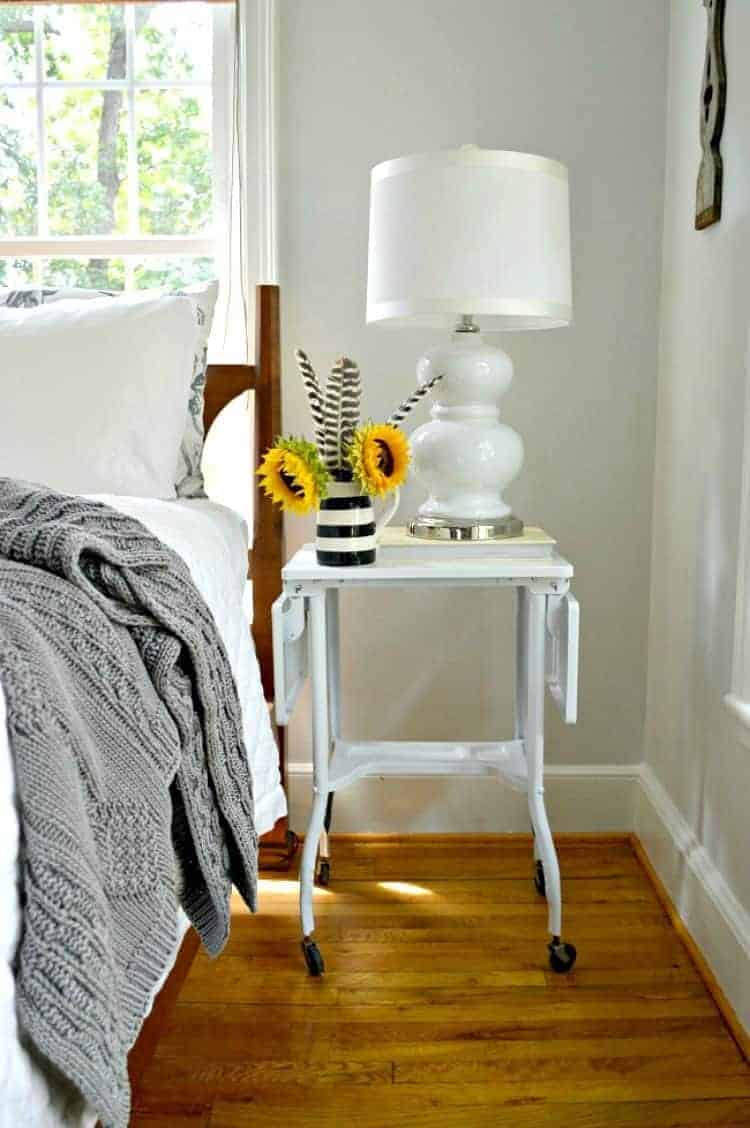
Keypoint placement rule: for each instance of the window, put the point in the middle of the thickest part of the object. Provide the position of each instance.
(116, 143)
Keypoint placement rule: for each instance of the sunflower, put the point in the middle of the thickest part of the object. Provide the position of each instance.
(293, 475)
(379, 456)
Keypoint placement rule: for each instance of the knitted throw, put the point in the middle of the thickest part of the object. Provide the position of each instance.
(124, 725)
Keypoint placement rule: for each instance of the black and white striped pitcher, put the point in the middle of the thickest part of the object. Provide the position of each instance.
(347, 532)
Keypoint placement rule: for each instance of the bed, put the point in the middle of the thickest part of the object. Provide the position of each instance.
(213, 541)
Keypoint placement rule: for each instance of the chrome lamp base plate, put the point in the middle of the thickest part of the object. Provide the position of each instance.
(456, 529)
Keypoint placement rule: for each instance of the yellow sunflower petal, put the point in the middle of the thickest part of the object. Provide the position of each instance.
(288, 481)
(379, 456)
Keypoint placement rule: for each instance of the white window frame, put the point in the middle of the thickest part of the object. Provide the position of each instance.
(258, 44)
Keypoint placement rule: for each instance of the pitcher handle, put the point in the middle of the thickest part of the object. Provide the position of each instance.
(387, 513)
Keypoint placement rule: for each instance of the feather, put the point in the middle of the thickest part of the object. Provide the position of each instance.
(403, 409)
(351, 395)
(332, 418)
(314, 397)
(341, 410)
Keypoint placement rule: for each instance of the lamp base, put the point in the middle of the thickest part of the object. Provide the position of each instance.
(465, 456)
(455, 529)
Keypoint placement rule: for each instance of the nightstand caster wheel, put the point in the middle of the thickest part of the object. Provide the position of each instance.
(323, 876)
(539, 883)
(561, 956)
(313, 958)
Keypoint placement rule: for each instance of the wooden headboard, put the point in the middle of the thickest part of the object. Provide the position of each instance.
(223, 383)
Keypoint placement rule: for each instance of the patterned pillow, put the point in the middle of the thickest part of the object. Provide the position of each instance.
(188, 475)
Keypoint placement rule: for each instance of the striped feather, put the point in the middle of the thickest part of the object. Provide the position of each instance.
(314, 397)
(332, 418)
(351, 396)
(340, 410)
(403, 409)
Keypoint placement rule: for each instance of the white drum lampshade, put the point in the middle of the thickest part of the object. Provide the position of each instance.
(458, 238)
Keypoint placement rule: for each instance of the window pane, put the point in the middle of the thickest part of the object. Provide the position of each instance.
(86, 162)
(87, 274)
(18, 187)
(173, 41)
(16, 43)
(174, 161)
(173, 273)
(16, 273)
(84, 41)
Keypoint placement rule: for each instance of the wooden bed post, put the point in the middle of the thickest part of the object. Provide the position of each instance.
(267, 554)
(278, 847)
(223, 383)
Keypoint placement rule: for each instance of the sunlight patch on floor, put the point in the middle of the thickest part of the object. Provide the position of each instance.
(405, 889)
(286, 886)
(272, 887)
(277, 885)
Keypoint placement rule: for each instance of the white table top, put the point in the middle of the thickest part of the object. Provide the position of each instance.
(403, 559)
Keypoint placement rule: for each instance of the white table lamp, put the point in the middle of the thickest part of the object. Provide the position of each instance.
(456, 236)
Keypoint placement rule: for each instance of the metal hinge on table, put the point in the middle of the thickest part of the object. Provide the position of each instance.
(289, 620)
(561, 659)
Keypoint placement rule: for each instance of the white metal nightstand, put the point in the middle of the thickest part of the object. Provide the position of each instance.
(306, 637)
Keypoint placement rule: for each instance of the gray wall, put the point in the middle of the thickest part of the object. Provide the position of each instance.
(579, 80)
(693, 746)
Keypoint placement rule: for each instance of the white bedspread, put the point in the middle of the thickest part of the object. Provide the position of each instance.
(212, 540)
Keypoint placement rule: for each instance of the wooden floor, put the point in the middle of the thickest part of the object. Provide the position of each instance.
(437, 1007)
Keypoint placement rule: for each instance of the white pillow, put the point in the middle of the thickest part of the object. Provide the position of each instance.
(188, 474)
(93, 394)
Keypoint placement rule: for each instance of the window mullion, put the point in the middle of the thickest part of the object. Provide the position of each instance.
(41, 142)
(133, 192)
(104, 245)
(110, 83)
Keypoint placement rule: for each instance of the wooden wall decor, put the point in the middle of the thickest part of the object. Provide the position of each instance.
(713, 104)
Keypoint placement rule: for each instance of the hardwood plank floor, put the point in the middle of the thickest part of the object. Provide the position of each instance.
(437, 1007)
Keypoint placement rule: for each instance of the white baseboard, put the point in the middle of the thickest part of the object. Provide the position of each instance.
(580, 798)
(716, 920)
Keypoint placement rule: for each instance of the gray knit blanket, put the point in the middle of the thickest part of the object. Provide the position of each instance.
(132, 780)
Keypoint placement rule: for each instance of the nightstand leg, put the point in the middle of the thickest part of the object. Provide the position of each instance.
(521, 663)
(521, 672)
(562, 956)
(333, 639)
(321, 752)
(535, 610)
(333, 632)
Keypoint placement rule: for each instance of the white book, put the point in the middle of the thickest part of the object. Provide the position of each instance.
(401, 545)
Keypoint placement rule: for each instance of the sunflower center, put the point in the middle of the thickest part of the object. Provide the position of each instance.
(291, 483)
(385, 458)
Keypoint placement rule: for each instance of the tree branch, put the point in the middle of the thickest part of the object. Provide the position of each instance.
(106, 164)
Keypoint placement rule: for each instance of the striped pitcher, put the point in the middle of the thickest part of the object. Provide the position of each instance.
(347, 532)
